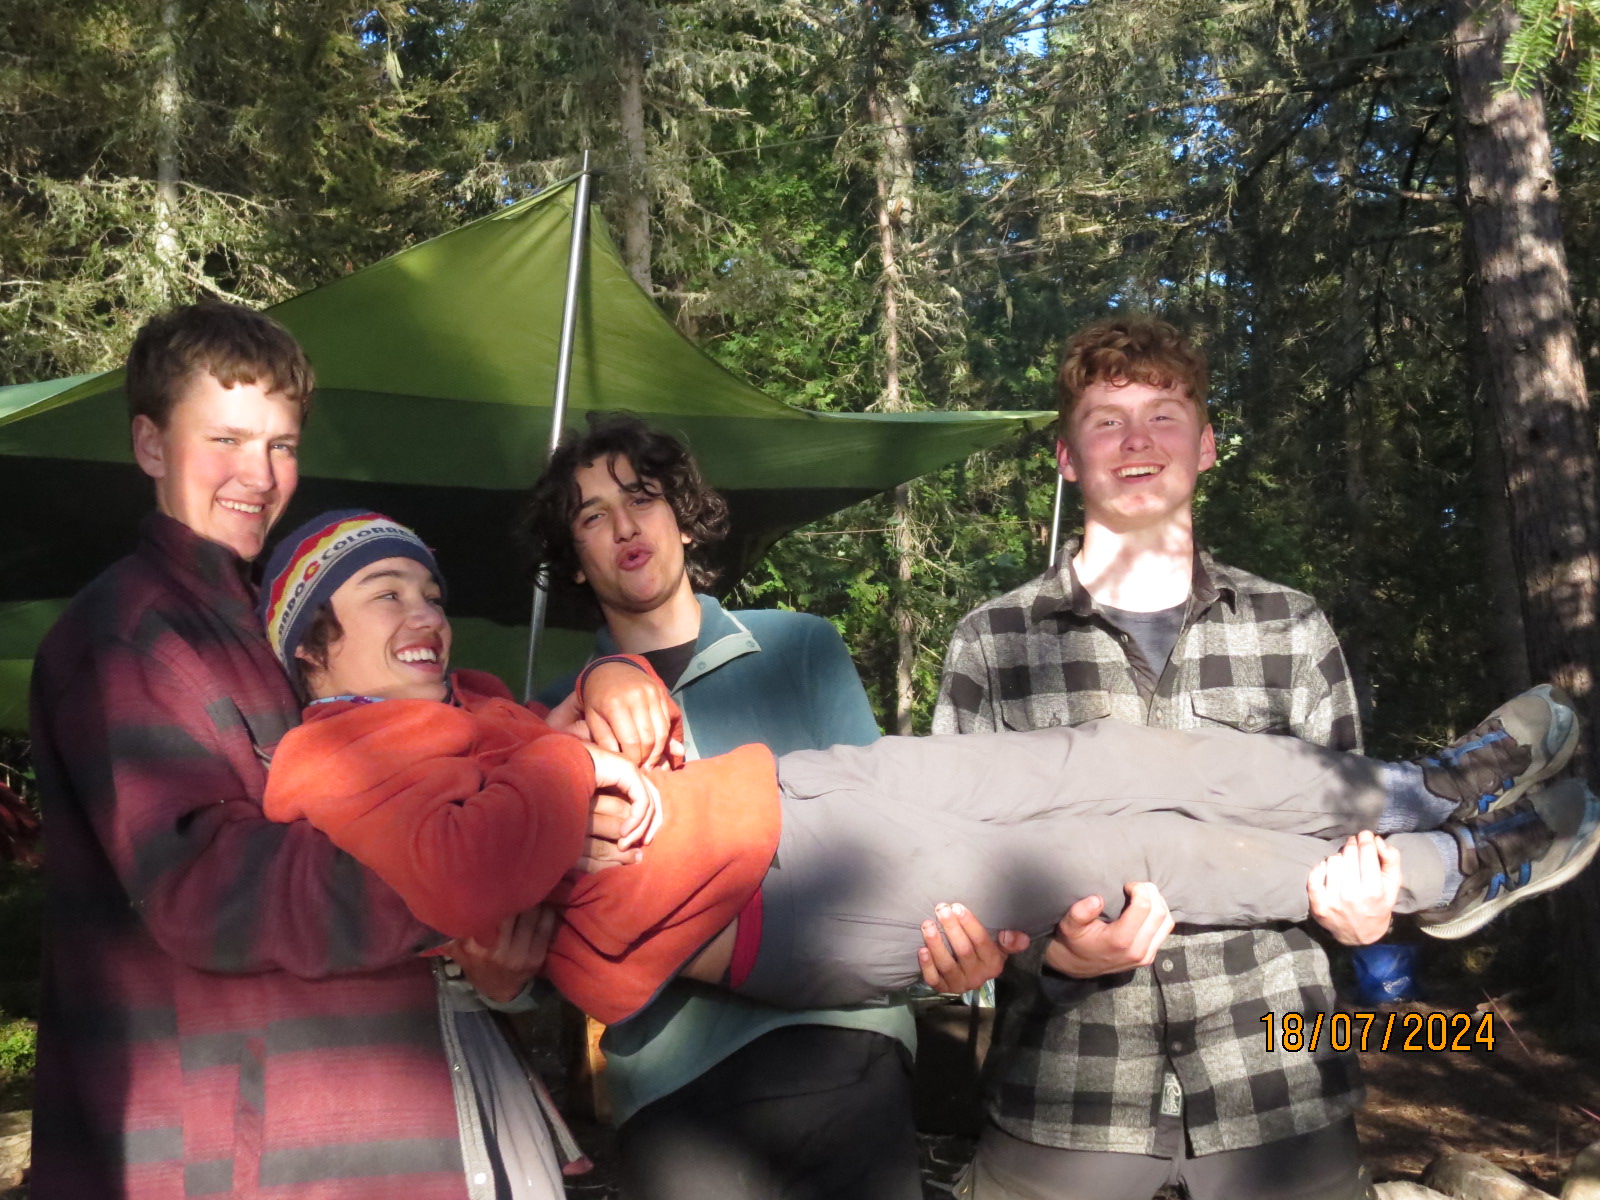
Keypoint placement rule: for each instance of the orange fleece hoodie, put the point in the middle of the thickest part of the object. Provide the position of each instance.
(474, 812)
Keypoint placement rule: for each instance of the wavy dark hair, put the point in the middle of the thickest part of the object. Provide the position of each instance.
(665, 468)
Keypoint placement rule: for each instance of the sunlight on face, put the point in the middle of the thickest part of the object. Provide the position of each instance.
(396, 640)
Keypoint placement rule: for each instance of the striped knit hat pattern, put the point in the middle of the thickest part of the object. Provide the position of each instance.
(310, 564)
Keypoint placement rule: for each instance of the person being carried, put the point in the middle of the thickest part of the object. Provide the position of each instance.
(803, 880)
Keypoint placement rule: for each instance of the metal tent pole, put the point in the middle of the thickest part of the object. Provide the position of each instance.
(558, 408)
(1055, 522)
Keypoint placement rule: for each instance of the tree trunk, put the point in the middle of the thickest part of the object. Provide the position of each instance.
(892, 179)
(1508, 657)
(636, 247)
(1349, 361)
(169, 105)
(1517, 275)
(1522, 305)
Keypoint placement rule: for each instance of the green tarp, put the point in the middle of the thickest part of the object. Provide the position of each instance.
(436, 369)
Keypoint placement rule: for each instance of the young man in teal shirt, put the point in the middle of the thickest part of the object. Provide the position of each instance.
(716, 1096)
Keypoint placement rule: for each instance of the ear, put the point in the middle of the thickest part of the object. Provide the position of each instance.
(685, 538)
(1208, 448)
(579, 577)
(149, 450)
(1064, 461)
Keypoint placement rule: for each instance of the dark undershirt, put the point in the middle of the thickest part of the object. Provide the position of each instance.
(1154, 634)
(670, 662)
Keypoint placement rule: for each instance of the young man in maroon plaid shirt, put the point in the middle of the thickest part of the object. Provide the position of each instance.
(230, 1006)
(1132, 1056)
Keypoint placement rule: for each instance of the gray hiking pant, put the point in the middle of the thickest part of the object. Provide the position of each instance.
(1019, 826)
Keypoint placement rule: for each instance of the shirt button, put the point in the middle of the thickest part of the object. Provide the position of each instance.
(1166, 964)
(1177, 1047)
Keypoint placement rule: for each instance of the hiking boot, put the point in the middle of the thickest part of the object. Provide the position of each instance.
(1538, 843)
(1523, 742)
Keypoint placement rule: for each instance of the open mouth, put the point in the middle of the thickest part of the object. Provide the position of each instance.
(1137, 471)
(419, 655)
(241, 506)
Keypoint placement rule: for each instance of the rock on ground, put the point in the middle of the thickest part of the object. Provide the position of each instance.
(16, 1139)
(1472, 1177)
(1401, 1190)
(1583, 1178)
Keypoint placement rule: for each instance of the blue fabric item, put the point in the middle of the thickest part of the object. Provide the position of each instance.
(1385, 971)
(786, 680)
(1409, 805)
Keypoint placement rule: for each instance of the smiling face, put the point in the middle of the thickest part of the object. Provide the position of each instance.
(629, 546)
(395, 642)
(224, 463)
(1136, 451)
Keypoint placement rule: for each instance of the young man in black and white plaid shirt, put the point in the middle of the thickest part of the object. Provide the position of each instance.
(1133, 1058)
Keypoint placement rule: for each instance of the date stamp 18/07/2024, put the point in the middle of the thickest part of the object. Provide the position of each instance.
(1409, 1032)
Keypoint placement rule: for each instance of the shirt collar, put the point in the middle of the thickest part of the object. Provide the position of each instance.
(210, 569)
(1061, 591)
(722, 637)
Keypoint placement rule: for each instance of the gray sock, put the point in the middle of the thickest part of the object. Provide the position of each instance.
(1408, 805)
(1450, 853)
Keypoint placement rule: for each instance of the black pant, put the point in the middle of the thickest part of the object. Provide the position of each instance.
(808, 1112)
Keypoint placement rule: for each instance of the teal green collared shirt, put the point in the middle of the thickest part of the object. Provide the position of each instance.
(784, 679)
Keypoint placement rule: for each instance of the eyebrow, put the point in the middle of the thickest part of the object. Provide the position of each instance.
(237, 432)
(386, 573)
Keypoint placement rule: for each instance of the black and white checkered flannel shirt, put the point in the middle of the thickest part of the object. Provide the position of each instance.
(1129, 1062)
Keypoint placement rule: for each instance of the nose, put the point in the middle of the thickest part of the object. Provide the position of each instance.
(424, 615)
(1136, 436)
(256, 469)
(623, 524)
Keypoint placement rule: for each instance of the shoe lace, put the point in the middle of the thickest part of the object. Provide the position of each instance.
(1477, 768)
(1507, 848)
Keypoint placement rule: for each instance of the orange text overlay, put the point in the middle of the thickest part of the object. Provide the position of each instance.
(1412, 1032)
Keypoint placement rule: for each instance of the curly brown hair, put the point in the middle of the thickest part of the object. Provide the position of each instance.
(1133, 349)
(664, 468)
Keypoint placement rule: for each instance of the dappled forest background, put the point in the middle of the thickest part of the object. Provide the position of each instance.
(864, 205)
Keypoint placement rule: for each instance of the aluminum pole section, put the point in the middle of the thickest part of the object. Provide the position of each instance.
(558, 407)
(1055, 521)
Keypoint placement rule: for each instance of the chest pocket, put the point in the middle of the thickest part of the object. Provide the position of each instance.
(1247, 709)
(1052, 709)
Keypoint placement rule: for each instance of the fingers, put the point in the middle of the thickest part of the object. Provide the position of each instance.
(1145, 924)
(525, 939)
(935, 961)
(1013, 941)
(599, 854)
(608, 816)
(659, 728)
(958, 953)
(645, 818)
(1080, 916)
(1389, 868)
(624, 721)
(602, 733)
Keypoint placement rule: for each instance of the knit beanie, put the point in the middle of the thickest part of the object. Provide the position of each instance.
(308, 565)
